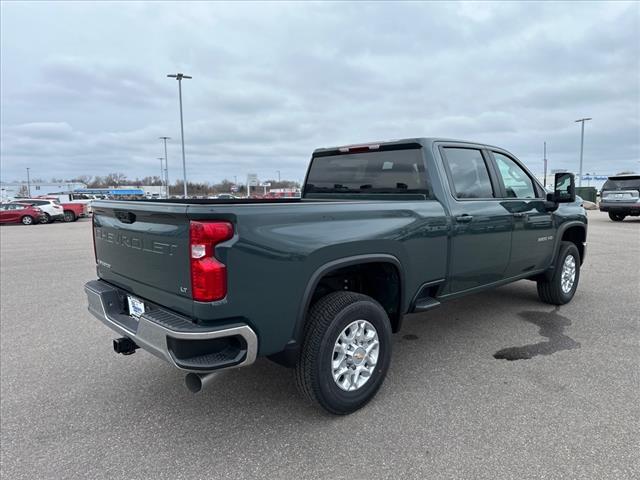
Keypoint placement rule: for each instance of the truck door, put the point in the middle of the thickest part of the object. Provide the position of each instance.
(481, 225)
(533, 230)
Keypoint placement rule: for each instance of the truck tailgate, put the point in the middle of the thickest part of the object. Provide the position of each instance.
(144, 248)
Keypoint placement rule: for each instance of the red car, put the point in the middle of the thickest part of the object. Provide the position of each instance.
(21, 213)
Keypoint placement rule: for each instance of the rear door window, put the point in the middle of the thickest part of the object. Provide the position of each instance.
(468, 173)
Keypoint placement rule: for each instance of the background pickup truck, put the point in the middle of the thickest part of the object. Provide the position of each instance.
(320, 283)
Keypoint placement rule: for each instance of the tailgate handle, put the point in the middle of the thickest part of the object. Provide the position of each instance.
(125, 217)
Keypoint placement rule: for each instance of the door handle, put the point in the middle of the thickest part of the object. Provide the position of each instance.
(520, 215)
(464, 218)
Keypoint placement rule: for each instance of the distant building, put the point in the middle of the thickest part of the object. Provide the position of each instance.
(9, 191)
(588, 180)
(285, 192)
(112, 191)
(136, 190)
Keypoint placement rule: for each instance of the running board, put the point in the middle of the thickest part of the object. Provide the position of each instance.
(424, 304)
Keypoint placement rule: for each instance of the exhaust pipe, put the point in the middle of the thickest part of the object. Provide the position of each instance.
(124, 345)
(197, 381)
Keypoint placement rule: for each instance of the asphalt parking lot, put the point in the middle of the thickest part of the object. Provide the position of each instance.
(72, 408)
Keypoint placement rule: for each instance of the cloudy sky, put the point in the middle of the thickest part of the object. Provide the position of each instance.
(84, 86)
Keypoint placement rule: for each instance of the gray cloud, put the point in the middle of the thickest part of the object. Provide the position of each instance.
(88, 94)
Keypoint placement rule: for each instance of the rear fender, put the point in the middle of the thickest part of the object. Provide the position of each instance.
(289, 355)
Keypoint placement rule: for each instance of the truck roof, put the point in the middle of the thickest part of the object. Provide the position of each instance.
(424, 141)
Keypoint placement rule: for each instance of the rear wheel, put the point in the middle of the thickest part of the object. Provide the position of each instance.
(69, 216)
(346, 352)
(27, 220)
(562, 286)
(616, 217)
(46, 218)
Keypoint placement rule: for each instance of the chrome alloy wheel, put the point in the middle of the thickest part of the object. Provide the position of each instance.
(355, 355)
(568, 274)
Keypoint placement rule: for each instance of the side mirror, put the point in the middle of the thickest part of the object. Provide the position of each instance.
(564, 190)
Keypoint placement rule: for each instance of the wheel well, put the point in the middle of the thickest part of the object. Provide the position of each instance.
(578, 236)
(378, 280)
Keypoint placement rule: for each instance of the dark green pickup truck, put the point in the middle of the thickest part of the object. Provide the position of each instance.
(320, 283)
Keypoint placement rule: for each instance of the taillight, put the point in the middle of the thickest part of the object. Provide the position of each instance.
(208, 275)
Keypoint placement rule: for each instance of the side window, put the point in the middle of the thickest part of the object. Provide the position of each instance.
(469, 173)
(516, 181)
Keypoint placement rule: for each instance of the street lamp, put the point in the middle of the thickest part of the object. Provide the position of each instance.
(166, 163)
(161, 175)
(179, 77)
(581, 120)
(28, 184)
(545, 166)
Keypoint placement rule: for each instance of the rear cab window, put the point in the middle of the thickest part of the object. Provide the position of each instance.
(390, 171)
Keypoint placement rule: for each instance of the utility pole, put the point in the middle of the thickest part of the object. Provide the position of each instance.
(581, 120)
(545, 166)
(179, 77)
(166, 163)
(28, 184)
(278, 175)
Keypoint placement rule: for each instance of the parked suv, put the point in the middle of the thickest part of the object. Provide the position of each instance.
(52, 209)
(621, 196)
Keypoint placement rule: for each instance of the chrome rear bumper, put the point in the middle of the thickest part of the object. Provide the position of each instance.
(171, 337)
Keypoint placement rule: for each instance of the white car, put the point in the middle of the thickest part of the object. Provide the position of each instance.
(52, 209)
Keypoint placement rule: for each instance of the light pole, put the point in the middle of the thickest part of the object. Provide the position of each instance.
(545, 166)
(581, 120)
(166, 163)
(179, 77)
(278, 175)
(161, 175)
(28, 184)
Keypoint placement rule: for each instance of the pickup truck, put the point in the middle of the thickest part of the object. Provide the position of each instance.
(321, 282)
(74, 211)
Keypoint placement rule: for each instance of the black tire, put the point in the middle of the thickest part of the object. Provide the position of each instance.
(550, 291)
(27, 220)
(69, 216)
(616, 217)
(46, 218)
(325, 322)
